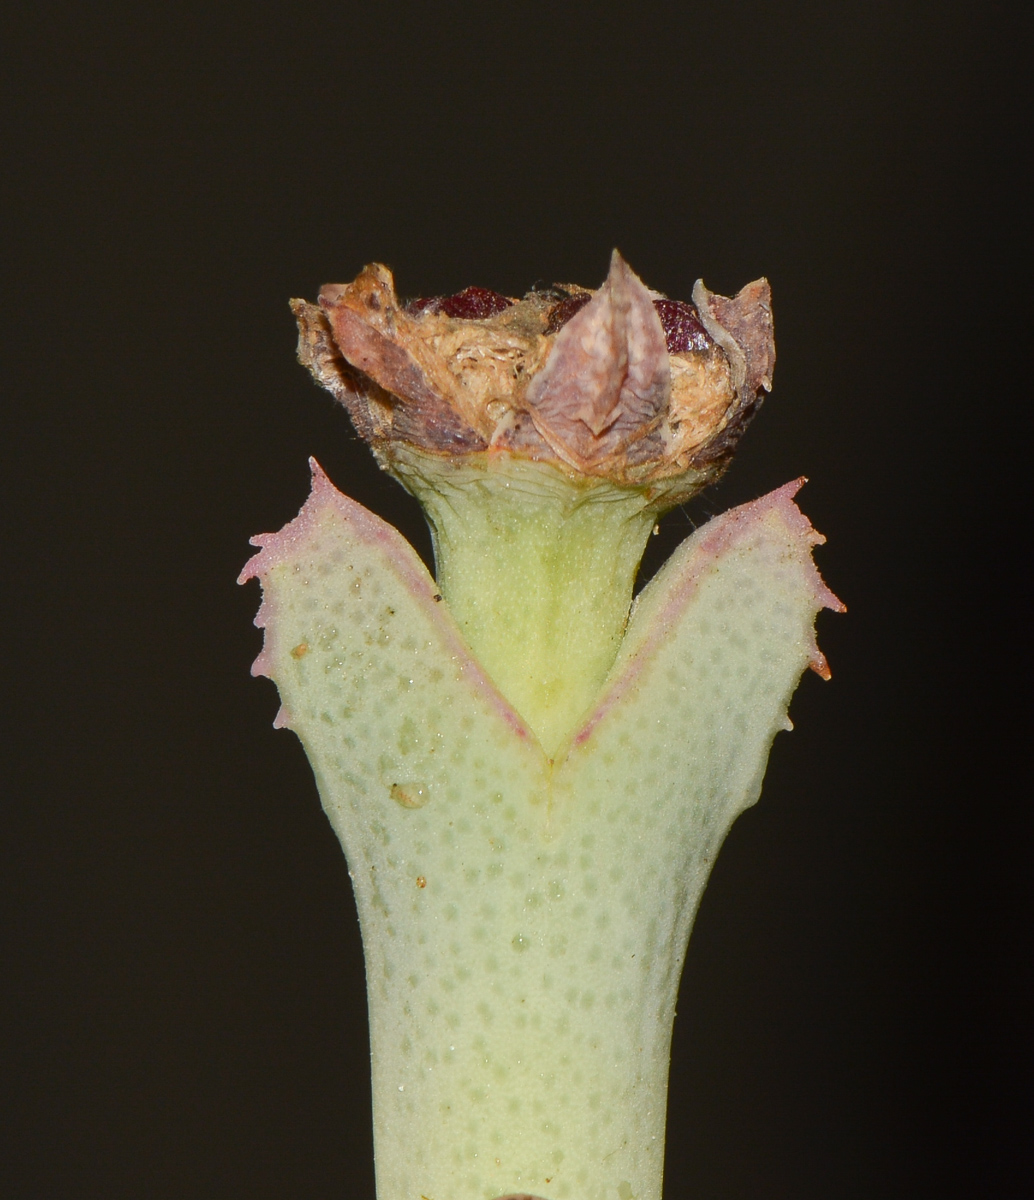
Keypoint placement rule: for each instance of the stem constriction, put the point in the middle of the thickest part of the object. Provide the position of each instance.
(538, 572)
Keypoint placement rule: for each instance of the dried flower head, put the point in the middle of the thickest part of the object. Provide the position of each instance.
(619, 384)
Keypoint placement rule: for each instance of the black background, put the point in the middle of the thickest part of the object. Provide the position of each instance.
(183, 957)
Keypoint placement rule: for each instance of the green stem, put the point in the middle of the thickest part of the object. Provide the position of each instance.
(538, 571)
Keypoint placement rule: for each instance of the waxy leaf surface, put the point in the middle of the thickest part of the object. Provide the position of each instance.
(525, 919)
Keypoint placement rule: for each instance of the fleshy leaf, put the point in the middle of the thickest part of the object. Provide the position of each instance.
(715, 646)
(522, 918)
(751, 568)
(339, 580)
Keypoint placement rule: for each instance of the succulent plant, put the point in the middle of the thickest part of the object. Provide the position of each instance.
(530, 774)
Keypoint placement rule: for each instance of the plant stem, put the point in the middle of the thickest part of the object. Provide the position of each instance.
(538, 570)
(529, 780)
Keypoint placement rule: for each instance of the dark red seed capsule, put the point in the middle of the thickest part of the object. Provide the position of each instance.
(682, 328)
(561, 313)
(473, 304)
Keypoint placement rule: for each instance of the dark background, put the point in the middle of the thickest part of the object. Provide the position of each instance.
(183, 960)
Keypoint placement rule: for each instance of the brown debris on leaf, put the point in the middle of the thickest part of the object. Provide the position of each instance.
(615, 384)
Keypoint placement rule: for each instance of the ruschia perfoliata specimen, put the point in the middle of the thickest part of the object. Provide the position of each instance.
(531, 775)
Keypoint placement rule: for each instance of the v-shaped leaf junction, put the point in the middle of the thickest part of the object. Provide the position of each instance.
(347, 603)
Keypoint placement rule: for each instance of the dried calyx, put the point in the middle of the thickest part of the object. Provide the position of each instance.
(619, 384)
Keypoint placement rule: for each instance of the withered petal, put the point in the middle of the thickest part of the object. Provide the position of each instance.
(362, 317)
(607, 380)
(318, 352)
(742, 326)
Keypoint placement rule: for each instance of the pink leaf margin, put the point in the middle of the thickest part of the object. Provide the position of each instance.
(284, 547)
(720, 535)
